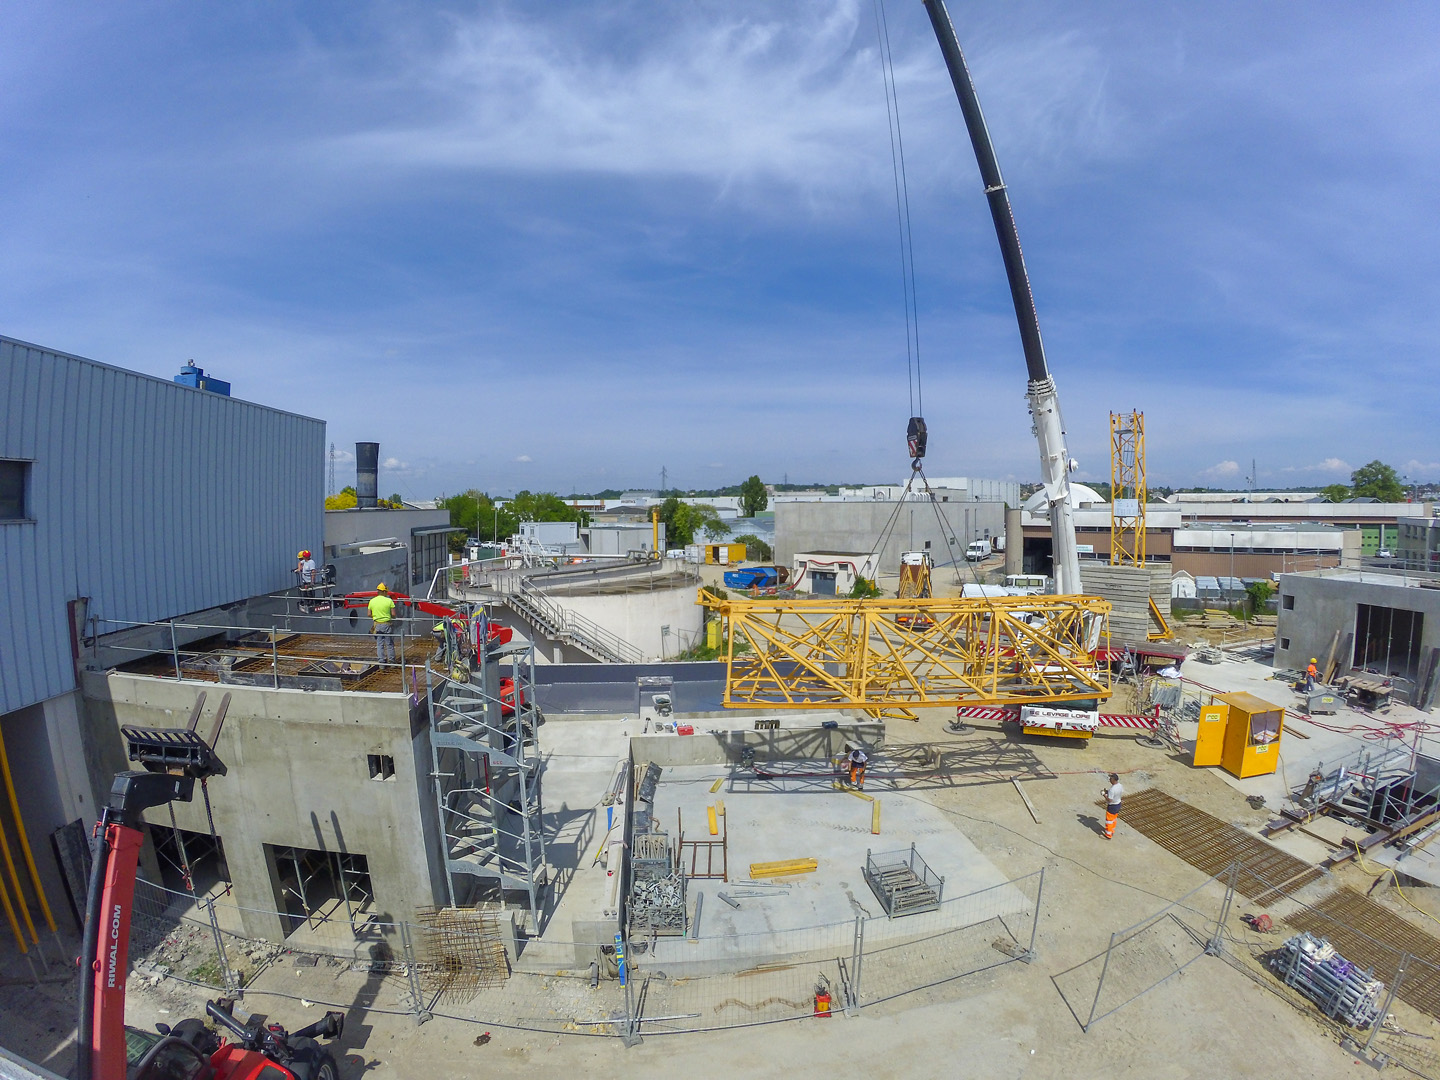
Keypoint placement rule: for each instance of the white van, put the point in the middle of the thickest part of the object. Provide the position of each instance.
(1028, 584)
(978, 549)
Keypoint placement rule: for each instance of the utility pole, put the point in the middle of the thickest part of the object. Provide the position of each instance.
(664, 473)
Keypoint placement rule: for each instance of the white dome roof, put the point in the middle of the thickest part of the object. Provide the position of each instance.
(1081, 495)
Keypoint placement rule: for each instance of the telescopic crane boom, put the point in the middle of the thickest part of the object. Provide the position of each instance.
(1044, 400)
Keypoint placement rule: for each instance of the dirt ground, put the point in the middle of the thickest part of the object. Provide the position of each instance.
(1014, 1021)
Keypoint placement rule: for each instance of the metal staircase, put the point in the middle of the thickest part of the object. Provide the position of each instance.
(566, 626)
(486, 772)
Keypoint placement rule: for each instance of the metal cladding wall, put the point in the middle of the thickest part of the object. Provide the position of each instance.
(150, 498)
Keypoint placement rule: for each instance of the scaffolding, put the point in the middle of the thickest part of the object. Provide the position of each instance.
(486, 769)
(1127, 489)
(879, 654)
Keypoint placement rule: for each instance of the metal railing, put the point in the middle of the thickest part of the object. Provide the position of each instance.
(563, 624)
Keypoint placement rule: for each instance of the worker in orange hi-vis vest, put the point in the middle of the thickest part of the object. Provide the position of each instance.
(1310, 674)
(1113, 795)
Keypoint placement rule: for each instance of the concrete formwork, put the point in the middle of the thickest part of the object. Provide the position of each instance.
(298, 776)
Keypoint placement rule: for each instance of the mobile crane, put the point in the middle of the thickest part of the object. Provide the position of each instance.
(1056, 464)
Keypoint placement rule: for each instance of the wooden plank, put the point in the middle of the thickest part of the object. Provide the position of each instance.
(1028, 804)
(714, 824)
(716, 785)
(1329, 669)
(783, 867)
(875, 817)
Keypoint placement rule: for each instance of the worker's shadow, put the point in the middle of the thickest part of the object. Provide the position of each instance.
(1091, 822)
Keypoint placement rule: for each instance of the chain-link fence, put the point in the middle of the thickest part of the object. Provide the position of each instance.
(471, 965)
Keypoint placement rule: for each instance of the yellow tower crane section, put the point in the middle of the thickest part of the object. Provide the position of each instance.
(1127, 489)
(896, 654)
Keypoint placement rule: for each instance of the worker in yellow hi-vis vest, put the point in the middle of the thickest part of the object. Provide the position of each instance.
(382, 615)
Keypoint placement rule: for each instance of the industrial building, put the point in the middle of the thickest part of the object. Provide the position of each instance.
(127, 499)
(945, 531)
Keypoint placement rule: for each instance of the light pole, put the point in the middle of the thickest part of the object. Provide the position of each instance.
(1230, 584)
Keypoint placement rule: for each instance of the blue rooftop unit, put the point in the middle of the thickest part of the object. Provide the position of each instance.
(190, 375)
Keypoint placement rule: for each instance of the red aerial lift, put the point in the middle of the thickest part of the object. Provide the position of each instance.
(173, 759)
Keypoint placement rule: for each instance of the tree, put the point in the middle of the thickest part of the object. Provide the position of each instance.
(753, 497)
(684, 520)
(344, 501)
(1259, 594)
(756, 550)
(1335, 493)
(1377, 481)
(864, 589)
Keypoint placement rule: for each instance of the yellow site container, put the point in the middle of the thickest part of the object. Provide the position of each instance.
(1241, 733)
(724, 554)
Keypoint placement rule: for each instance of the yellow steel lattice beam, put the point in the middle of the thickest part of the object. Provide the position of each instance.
(876, 654)
(1127, 489)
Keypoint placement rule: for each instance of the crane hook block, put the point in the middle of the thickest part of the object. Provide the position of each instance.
(915, 437)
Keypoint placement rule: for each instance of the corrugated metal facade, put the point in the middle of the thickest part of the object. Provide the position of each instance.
(151, 498)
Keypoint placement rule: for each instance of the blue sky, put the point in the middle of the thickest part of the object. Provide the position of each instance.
(562, 245)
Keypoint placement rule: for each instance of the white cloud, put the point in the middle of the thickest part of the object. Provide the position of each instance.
(394, 463)
(1330, 466)
(524, 458)
(1415, 468)
(1223, 470)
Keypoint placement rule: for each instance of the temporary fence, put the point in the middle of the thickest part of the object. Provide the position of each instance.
(472, 966)
(1141, 957)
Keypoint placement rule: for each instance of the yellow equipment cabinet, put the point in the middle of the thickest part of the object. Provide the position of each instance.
(1252, 735)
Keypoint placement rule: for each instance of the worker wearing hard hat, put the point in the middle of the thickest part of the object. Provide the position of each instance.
(1310, 675)
(857, 759)
(382, 615)
(305, 567)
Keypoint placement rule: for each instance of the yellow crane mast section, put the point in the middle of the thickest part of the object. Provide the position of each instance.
(869, 654)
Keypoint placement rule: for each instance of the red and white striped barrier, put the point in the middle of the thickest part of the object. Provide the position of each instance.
(985, 712)
(1128, 720)
(1140, 721)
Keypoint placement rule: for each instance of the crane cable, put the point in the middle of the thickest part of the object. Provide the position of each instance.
(902, 212)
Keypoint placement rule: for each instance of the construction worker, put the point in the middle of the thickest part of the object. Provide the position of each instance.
(382, 614)
(305, 568)
(1310, 675)
(1113, 795)
(857, 759)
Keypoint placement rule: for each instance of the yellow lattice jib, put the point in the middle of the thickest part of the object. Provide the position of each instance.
(826, 654)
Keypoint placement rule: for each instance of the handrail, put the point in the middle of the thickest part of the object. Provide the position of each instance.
(566, 624)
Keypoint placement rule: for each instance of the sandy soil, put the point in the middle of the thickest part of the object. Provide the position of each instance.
(1015, 1021)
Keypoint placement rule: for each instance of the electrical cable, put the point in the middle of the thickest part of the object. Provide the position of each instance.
(1391, 871)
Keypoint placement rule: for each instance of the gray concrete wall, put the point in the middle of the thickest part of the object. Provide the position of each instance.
(353, 526)
(1323, 604)
(856, 526)
(637, 617)
(298, 777)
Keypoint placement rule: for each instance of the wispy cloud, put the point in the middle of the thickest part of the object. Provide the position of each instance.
(1331, 466)
(1224, 470)
(524, 458)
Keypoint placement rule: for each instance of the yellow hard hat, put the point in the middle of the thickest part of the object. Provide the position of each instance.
(381, 587)
(301, 554)
(1313, 660)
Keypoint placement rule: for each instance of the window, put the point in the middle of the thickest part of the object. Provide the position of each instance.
(1284, 643)
(1287, 602)
(13, 482)
(382, 766)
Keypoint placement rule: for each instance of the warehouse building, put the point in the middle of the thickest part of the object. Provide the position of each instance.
(125, 499)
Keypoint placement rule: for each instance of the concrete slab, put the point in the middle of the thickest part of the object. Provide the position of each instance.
(804, 816)
(1332, 739)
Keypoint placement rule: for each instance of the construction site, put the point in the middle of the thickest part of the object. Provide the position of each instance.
(952, 791)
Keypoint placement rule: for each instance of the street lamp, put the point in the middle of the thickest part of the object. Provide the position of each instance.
(1230, 585)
